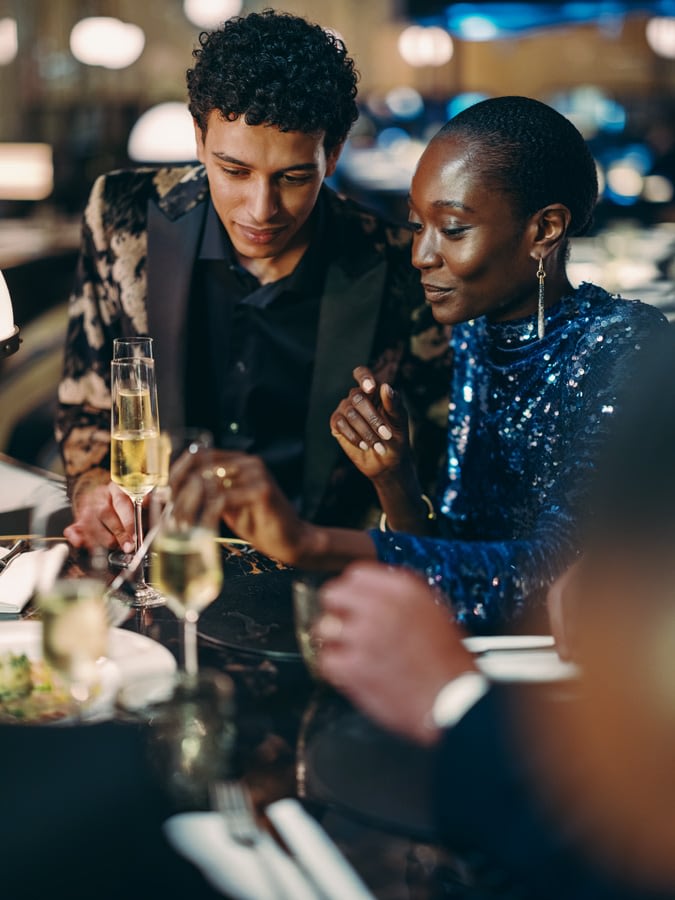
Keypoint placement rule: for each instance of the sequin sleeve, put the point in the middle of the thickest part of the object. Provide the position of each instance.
(491, 582)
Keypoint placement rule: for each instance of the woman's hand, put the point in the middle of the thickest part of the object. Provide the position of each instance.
(371, 426)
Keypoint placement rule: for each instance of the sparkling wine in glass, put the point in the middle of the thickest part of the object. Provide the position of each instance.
(129, 348)
(135, 455)
(75, 635)
(186, 562)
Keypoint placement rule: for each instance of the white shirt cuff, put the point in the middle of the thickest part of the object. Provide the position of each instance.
(457, 697)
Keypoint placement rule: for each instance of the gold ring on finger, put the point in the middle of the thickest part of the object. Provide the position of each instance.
(225, 479)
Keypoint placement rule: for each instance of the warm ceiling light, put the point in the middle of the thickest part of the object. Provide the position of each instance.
(421, 46)
(660, 33)
(9, 42)
(107, 42)
(164, 133)
(26, 171)
(210, 13)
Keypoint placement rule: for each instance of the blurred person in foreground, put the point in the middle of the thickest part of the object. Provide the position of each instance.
(261, 287)
(572, 787)
(538, 371)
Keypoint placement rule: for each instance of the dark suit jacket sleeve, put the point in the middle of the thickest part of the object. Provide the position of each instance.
(486, 798)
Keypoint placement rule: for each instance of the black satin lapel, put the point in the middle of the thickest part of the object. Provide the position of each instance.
(347, 323)
(172, 248)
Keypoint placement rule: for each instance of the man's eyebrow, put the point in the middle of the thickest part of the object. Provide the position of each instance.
(295, 167)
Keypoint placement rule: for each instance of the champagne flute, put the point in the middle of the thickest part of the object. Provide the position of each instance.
(186, 564)
(135, 463)
(132, 347)
(128, 348)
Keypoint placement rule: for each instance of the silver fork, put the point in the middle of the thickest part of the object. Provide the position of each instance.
(233, 801)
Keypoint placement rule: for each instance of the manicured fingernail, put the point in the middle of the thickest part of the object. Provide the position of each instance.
(128, 547)
(363, 446)
(379, 448)
(368, 384)
(384, 432)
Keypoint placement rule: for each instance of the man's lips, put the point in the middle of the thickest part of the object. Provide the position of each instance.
(260, 235)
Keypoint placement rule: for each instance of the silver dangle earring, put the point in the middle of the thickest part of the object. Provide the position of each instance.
(540, 300)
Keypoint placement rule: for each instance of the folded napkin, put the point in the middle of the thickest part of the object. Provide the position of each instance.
(239, 872)
(316, 853)
(19, 580)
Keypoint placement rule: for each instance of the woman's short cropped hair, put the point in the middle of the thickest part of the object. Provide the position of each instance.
(275, 69)
(530, 150)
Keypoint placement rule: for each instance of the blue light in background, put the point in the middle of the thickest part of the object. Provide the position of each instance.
(463, 101)
(487, 21)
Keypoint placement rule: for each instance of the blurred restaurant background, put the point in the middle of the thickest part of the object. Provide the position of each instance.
(91, 85)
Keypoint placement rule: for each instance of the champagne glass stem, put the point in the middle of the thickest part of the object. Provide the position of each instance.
(138, 522)
(139, 577)
(190, 642)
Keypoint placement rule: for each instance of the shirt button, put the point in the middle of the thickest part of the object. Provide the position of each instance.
(233, 427)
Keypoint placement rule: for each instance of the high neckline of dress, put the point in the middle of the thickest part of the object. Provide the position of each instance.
(521, 334)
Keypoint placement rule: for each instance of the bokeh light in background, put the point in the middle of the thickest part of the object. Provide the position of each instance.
(420, 46)
(163, 134)
(210, 13)
(660, 33)
(105, 41)
(9, 43)
(404, 102)
(591, 110)
(26, 171)
(463, 101)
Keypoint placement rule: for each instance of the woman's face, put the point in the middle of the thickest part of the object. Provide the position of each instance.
(473, 252)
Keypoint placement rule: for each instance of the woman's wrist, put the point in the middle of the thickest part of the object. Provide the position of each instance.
(428, 512)
(330, 549)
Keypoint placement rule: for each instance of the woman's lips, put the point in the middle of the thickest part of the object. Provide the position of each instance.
(436, 292)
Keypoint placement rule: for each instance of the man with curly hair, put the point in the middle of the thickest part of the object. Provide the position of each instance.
(261, 287)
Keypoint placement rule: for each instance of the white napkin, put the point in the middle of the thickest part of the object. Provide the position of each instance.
(237, 871)
(20, 579)
(316, 853)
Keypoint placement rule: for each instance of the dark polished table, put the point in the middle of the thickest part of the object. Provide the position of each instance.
(82, 808)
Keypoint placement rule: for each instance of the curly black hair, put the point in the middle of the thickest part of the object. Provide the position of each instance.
(530, 150)
(275, 69)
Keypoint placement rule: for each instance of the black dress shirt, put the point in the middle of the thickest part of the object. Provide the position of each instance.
(251, 350)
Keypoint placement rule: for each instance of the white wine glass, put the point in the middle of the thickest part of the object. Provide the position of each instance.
(134, 347)
(75, 637)
(186, 562)
(135, 455)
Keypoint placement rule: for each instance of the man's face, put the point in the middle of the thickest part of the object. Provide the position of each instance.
(264, 184)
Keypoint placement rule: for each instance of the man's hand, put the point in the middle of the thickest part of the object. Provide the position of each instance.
(248, 500)
(104, 517)
(389, 646)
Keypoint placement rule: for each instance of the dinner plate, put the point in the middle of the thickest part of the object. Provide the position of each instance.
(535, 666)
(131, 656)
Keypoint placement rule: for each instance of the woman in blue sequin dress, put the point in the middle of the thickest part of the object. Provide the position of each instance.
(495, 198)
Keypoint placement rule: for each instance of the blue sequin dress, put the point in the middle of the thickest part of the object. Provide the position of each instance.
(526, 420)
